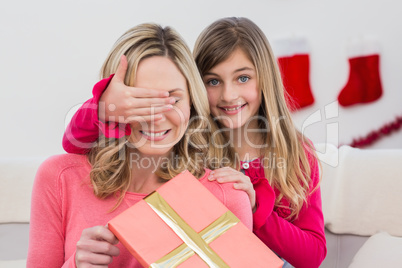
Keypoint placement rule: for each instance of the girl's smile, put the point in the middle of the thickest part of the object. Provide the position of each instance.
(234, 109)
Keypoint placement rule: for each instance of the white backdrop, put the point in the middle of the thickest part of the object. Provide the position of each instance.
(51, 53)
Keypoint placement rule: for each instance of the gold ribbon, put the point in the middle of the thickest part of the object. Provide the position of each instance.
(194, 243)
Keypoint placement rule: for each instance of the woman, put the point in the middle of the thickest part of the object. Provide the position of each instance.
(74, 196)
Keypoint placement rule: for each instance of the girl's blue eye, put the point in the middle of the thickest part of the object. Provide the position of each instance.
(243, 79)
(213, 82)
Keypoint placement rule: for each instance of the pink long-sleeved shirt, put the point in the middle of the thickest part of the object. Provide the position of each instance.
(301, 242)
(63, 205)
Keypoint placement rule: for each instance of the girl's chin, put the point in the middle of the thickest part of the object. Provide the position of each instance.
(233, 126)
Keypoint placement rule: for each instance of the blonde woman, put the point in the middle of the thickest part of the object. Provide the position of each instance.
(276, 166)
(74, 196)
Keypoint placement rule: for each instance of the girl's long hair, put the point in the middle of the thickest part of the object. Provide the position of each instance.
(202, 144)
(284, 142)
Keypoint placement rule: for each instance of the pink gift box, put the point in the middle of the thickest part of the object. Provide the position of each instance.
(182, 224)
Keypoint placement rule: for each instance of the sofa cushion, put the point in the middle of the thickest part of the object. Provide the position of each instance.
(341, 249)
(14, 238)
(13, 264)
(361, 192)
(380, 250)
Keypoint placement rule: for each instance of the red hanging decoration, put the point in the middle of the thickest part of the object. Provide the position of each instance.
(376, 135)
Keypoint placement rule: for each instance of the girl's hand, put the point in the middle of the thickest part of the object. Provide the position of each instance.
(123, 104)
(241, 181)
(96, 247)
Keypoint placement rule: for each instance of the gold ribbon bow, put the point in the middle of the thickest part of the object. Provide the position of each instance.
(194, 243)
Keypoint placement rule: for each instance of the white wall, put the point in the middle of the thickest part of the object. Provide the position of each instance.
(51, 52)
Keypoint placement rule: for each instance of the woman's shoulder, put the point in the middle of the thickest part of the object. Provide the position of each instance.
(62, 161)
(56, 165)
(224, 191)
(235, 200)
(57, 173)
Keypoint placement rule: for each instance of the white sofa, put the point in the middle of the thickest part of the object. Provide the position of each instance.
(16, 180)
(362, 207)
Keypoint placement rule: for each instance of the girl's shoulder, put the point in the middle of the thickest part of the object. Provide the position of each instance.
(314, 164)
(309, 150)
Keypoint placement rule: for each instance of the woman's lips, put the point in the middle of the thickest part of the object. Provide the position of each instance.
(155, 135)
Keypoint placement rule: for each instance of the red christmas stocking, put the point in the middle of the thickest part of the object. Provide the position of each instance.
(294, 64)
(364, 84)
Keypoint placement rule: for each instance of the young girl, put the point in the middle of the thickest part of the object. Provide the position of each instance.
(74, 196)
(278, 167)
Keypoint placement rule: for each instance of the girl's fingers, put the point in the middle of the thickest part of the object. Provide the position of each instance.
(150, 110)
(148, 93)
(121, 69)
(223, 173)
(120, 75)
(241, 186)
(224, 169)
(151, 101)
(140, 101)
(214, 176)
(225, 179)
(249, 190)
(133, 103)
(240, 181)
(143, 119)
(229, 175)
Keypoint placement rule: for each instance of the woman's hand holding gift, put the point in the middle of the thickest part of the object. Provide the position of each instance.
(96, 247)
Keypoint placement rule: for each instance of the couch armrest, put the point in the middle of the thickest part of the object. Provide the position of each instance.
(16, 181)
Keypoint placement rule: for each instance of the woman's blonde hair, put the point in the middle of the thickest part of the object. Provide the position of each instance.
(110, 159)
(214, 45)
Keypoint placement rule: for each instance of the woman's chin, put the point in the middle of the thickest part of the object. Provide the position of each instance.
(155, 151)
